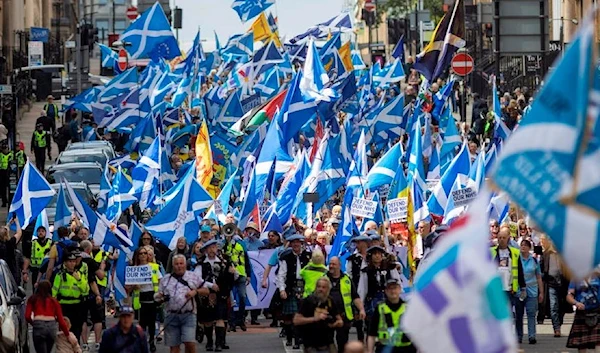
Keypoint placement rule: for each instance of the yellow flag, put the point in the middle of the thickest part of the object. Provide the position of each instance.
(345, 55)
(261, 28)
(204, 164)
(412, 238)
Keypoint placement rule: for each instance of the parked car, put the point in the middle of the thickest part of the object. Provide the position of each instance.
(93, 145)
(14, 331)
(84, 155)
(80, 189)
(89, 173)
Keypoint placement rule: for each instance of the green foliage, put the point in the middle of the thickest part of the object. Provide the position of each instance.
(399, 8)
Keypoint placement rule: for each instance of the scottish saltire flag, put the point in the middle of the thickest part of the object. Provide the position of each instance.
(119, 197)
(250, 210)
(151, 36)
(389, 122)
(339, 23)
(420, 209)
(119, 85)
(357, 60)
(384, 170)
(454, 210)
(416, 168)
(265, 58)
(41, 221)
(427, 139)
(451, 139)
(440, 102)
(346, 231)
(490, 158)
(124, 113)
(190, 66)
(179, 217)
(62, 216)
(104, 189)
(139, 140)
(391, 73)
(183, 90)
(248, 9)
(398, 52)
(290, 187)
(223, 198)
(459, 169)
(334, 43)
(240, 45)
(110, 58)
(84, 100)
(548, 143)
(32, 195)
(357, 176)
(447, 38)
(499, 207)
(460, 267)
(433, 168)
(231, 111)
(268, 85)
(500, 129)
(477, 174)
(145, 175)
(366, 97)
(271, 222)
(164, 87)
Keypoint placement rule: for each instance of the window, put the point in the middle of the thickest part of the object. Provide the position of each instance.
(102, 24)
(119, 2)
(120, 26)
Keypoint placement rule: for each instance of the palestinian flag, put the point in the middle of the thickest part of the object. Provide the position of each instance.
(260, 114)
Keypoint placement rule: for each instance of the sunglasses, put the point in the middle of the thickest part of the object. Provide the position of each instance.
(143, 253)
(146, 239)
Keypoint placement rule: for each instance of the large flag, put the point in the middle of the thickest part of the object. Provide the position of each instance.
(459, 168)
(62, 217)
(204, 167)
(459, 268)
(542, 156)
(384, 170)
(110, 58)
(248, 9)
(145, 175)
(31, 196)
(448, 37)
(151, 36)
(314, 77)
(263, 31)
(119, 197)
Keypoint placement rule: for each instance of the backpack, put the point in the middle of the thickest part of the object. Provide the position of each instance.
(62, 246)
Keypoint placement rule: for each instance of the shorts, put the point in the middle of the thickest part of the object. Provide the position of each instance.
(96, 312)
(180, 328)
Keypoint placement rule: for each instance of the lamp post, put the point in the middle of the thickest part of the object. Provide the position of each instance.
(561, 33)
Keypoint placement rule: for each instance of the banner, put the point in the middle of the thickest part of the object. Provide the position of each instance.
(138, 275)
(36, 53)
(258, 297)
(250, 103)
(462, 197)
(363, 207)
(39, 34)
(221, 152)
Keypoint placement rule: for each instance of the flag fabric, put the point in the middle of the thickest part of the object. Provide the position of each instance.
(119, 197)
(248, 9)
(345, 233)
(240, 45)
(265, 58)
(41, 221)
(145, 175)
(204, 167)
(416, 167)
(477, 174)
(500, 129)
(231, 111)
(391, 73)
(32, 195)
(451, 139)
(62, 216)
(460, 267)
(421, 211)
(453, 210)
(314, 77)
(263, 31)
(119, 85)
(223, 198)
(269, 85)
(151, 36)
(339, 23)
(110, 58)
(548, 143)
(398, 52)
(434, 168)
(384, 170)
(459, 169)
(448, 37)
(290, 188)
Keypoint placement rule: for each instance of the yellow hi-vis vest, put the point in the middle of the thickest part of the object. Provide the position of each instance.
(101, 256)
(235, 251)
(346, 291)
(67, 290)
(514, 262)
(388, 330)
(136, 293)
(311, 274)
(40, 138)
(20, 159)
(38, 252)
(5, 159)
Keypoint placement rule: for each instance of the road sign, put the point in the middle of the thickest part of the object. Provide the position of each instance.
(369, 5)
(132, 13)
(5, 89)
(122, 59)
(462, 64)
(70, 44)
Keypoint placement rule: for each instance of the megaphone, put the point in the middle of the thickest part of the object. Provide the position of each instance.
(229, 229)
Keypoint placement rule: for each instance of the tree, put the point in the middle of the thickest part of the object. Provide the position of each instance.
(399, 8)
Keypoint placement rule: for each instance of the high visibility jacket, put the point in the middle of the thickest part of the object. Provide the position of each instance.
(388, 330)
(136, 293)
(39, 139)
(101, 256)
(39, 251)
(67, 290)
(514, 262)
(47, 109)
(20, 158)
(236, 253)
(311, 274)
(346, 292)
(5, 159)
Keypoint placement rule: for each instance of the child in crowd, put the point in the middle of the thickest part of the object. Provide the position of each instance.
(66, 344)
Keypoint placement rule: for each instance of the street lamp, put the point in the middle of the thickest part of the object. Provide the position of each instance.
(562, 28)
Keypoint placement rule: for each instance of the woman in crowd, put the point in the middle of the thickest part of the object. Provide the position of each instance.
(533, 280)
(8, 249)
(181, 248)
(195, 255)
(585, 332)
(555, 277)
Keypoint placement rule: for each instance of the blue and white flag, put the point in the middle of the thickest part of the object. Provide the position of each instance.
(240, 45)
(543, 154)
(231, 111)
(416, 168)
(119, 85)
(119, 197)
(339, 23)
(248, 9)
(451, 139)
(62, 217)
(500, 129)
(290, 187)
(459, 169)
(145, 175)
(223, 198)
(118, 280)
(477, 174)
(265, 58)
(110, 58)
(346, 231)
(434, 170)
(384, 170)
(268, 85)
(42, 221)
(32, 195)
(151, 36)
(420, 209)
(460, 267)
(391, 73)
(398, 52)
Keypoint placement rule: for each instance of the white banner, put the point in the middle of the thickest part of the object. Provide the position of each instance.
(258, 297)
(397, 208)
(363, 208)
(462, 197)
(36, 53)
(138, 275)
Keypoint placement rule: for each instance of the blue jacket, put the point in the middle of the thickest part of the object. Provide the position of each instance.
(114, 340)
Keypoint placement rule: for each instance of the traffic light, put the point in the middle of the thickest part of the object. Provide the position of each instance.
(369, 17)
(92, 36)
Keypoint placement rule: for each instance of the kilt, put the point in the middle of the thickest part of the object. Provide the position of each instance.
(581, 335)
(290, 305)
(372, 303)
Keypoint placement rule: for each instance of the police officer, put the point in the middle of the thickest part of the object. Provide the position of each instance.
(384, 328)
(71, 288)
(21, 158)
(39, 248)
(218, 273)
(238, 256)
(39, 142)
(6, 156)
(290, 285)
(354, 265)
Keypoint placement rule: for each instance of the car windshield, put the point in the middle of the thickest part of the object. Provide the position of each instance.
(85, 157)
(81, 192)
(82, 175)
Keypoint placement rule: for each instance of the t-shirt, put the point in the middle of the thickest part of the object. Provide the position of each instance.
(92, 268)
(336, 294)
(531, 269)
(504, 267)
(317, 334)
(587, 292)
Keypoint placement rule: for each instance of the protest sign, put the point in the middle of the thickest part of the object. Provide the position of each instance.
(138, 275)
(218, 207)
(363, 207)
(397, 208)
(462, 197)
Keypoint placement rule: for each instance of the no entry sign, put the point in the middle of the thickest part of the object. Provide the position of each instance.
(132, 13)
(462, 64)
(122, 59)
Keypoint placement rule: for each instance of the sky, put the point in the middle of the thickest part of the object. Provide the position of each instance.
(294, 17)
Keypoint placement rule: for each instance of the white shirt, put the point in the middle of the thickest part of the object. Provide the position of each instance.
(505, 269)
(282, 274)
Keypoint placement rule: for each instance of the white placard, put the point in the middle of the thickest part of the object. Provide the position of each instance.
(218, 208)
(463, 196)
(138, 275)
(397, 208)
(363, 208)
(36, 53)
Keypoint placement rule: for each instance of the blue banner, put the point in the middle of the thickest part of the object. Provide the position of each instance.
(251, 102)
(39, 34)
(221, 151)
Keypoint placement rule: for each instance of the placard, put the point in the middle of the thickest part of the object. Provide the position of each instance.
(250, 102)
(138, 275)
(218, 208)
(463, 196)
(363, 208)
(36, 53)
(397, 208)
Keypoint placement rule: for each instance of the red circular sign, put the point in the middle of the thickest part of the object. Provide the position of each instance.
(132, 13)
(462, 64)
(122, 59)
(369, 5)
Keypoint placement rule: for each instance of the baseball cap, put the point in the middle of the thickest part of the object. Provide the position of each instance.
(126, 310)
(205, 228)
